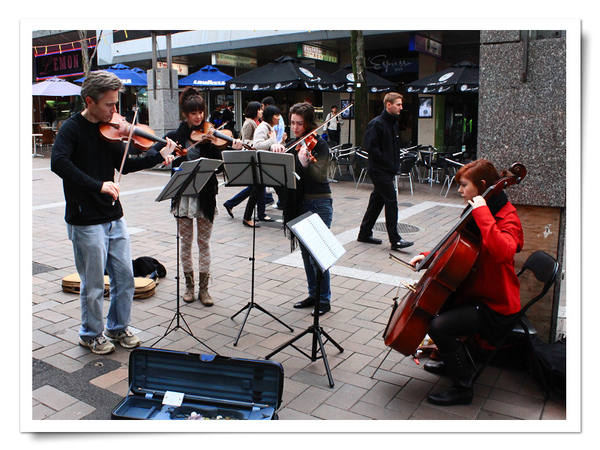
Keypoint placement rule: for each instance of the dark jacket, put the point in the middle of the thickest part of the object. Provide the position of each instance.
(84, 160)
(382, 143)
(207, 196)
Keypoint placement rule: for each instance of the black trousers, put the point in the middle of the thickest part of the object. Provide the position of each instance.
(383, 196)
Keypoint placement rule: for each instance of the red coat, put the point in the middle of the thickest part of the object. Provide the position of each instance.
(493, 279)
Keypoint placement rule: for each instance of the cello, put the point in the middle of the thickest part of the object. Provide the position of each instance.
(447, 266)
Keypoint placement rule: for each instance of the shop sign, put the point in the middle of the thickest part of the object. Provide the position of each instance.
(182, 69)
(425, 45)
(318, 53)
(223, 59)
(58, 65)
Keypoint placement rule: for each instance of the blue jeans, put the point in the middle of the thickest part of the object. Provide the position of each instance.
(324, 208)
(98, 248)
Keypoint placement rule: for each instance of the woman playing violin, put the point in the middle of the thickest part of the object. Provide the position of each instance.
(487, 300)
(201, 208)
(312, 194)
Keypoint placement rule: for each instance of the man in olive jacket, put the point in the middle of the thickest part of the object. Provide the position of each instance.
(382, 143)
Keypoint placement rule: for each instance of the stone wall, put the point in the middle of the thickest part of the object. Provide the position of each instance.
(522, 117)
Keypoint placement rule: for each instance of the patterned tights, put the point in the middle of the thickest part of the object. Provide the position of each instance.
(186, 230)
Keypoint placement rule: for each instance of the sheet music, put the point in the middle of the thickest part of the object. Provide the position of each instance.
(323, 246)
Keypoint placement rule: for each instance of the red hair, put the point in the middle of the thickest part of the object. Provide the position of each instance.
(478, 172)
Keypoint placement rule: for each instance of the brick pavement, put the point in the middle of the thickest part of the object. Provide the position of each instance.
(71, 383)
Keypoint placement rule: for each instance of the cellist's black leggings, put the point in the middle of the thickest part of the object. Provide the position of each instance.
(467, 319)
(450, 325)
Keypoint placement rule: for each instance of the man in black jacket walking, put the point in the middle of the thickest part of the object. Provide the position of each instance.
(382, 143)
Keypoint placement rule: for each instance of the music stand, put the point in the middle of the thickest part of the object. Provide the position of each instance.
(188, 180)
(325, 249)
(259, 169)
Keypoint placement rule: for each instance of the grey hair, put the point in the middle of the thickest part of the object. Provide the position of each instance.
(97, 83)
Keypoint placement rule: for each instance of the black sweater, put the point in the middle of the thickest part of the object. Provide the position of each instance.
(382, 143)
(84, 160)
(207, 201)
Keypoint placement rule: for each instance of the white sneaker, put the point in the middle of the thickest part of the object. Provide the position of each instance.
(126, 338)
(99, 345)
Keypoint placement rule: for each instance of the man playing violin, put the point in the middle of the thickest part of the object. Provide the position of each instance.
(95, 224)
(312, 193)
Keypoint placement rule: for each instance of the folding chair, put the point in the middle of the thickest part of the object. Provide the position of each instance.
(545, 269)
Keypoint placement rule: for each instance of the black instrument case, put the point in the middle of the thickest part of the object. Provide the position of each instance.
(213, 387)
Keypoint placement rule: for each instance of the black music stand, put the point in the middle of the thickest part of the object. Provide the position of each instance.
(187, 180)
(259, 169)
(325, 249)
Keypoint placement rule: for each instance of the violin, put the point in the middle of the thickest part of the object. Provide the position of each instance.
(309, 141)
(142, 136)
(447, 266)
(220, 139)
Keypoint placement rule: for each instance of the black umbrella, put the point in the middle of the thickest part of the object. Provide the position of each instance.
(285, 73)
(374, 82)
(463, 77)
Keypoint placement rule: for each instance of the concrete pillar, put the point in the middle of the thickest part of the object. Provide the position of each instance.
(163, 100)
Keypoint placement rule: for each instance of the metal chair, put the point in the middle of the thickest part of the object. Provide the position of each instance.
(362, 158)
(407, 163)
(450, 168)
(344, 156)
(545, 269)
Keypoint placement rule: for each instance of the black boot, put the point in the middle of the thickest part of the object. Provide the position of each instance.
(435, 366)
(460, 368)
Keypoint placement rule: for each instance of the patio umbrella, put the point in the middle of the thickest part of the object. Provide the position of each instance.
(375, 83)
(129, 77)
(207, 77)
(55, 87)
(463, 77)
(285, 73)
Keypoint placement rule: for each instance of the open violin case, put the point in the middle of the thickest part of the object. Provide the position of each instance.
(171, 385)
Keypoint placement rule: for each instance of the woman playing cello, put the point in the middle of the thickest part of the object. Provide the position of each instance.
(201, 207)
(487, 300)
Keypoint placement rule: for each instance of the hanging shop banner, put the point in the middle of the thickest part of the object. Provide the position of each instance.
(182, 69)
(425, 45)
(223, 59)
(59, 64)
(318, 53)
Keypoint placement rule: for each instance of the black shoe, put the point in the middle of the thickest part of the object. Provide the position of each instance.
(267, 219)
(307, 303)
(229, 210)
(433, 366)
(456, 395)
(369, 240)
(322, 310)
(250, 223)
(401, 244)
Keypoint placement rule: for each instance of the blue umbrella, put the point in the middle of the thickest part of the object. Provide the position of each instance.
(207, 77)
(129, 77)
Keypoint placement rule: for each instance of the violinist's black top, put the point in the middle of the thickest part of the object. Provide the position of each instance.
(207, 201)
(84, 160)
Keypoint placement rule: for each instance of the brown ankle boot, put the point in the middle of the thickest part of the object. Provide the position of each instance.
(188, 295)
(203, 294)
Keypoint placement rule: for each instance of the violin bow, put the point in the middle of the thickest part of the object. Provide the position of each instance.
(135, 109)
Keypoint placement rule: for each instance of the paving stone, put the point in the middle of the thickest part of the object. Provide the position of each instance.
(71, 383)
